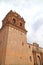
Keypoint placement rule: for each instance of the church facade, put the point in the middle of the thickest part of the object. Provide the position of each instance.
(14, 49)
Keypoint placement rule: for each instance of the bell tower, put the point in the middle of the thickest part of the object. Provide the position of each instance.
(14, 19)
(16, 38)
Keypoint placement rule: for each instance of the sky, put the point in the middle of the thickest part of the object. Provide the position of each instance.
(31, 11)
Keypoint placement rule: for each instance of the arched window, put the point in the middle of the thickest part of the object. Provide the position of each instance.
(29, 46)
(34, 64)
(38, 60)
(30, 58)
(22, 44)
(42, 63)
(20, 24)
(14, 21)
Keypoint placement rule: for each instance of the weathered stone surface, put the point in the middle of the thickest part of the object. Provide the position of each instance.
(14, 49)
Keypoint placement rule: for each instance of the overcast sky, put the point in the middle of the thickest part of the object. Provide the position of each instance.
(31, 11)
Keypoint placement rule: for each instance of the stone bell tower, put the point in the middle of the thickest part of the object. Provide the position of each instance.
(14, 34)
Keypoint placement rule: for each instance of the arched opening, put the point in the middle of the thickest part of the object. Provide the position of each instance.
(14, 20)
(20, 24)
(38, 60)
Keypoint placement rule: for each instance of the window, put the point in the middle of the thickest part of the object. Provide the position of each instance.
(20, 24)
(22, 43)
(38, 57)
(14, 20)
(29, 46)
(34, 64)
(30, 58)
(42, 63)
